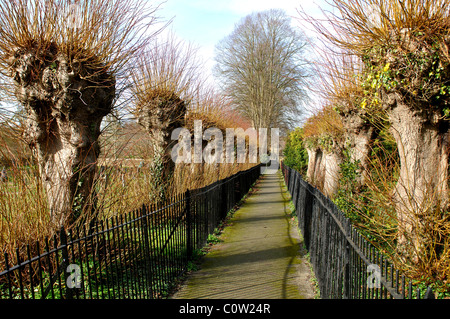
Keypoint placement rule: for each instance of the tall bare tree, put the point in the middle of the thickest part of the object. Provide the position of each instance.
(262, 68)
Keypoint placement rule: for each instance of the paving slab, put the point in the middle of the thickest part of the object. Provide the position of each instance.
(260, 255)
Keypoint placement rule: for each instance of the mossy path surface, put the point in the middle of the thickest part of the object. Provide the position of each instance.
(260, 255)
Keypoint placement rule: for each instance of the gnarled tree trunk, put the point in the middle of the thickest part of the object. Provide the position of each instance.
(160, 117)
(323, 169)
(330, 163)
(316, 172)
(422, 141)
(65, 106)
(359, 135)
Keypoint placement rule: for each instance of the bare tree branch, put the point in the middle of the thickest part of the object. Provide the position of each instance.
(263, 69)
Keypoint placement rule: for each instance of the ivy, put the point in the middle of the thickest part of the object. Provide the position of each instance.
(348, 186)
(420, 74)
(375, 79)
(326, 142)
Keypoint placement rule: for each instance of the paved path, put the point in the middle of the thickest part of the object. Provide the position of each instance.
(260, 256)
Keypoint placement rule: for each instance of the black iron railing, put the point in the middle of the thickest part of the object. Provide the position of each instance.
(345, 264)
(138, 255)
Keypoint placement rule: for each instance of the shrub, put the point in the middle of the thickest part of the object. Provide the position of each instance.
(295, 154)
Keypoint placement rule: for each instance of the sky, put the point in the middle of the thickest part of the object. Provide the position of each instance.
(204, 23)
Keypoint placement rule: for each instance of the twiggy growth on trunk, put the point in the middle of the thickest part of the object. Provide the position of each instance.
(165, 81)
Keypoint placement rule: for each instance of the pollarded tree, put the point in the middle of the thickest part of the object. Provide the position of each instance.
(165, 80)
(324, 134)
(263, 70)
(339, 83)
(405, 48)
(66, 62)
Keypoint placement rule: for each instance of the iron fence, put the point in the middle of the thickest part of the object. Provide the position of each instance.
(345, 264)
(138, 255)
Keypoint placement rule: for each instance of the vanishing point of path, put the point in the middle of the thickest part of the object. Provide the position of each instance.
(260, 256)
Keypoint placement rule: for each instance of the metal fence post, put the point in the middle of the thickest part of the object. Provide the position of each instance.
(429, 294)
(146, 235)
(189, 248)
(224, 196)
(65, 261)
(347, 272)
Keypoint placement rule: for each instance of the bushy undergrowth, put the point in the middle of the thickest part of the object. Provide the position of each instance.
(294, 153)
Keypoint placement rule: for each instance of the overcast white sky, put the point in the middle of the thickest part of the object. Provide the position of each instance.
(205, 22)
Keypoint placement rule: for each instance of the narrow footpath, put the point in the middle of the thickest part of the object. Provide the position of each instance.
(260, 255)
